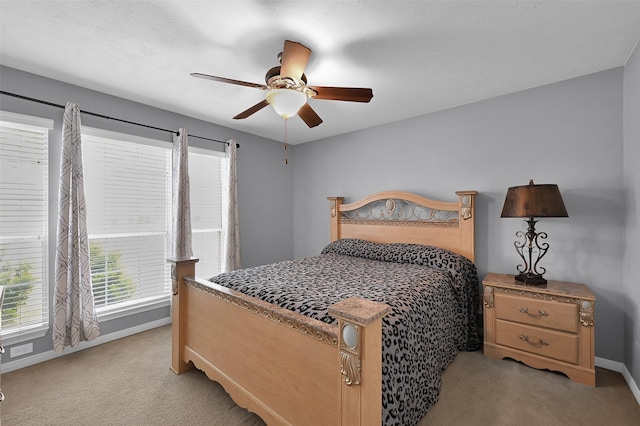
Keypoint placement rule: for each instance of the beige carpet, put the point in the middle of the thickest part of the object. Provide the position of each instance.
(128, 382)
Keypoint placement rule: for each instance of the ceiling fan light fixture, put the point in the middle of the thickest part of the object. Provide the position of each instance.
(286, 102)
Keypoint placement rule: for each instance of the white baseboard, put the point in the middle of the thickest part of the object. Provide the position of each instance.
(46, 356)
(620, 368)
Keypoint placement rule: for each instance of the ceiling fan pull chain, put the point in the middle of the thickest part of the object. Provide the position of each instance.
(286, 159)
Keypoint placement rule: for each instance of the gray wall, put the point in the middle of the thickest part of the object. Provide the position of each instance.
(264, 181)
(632, 209)
(569, 133)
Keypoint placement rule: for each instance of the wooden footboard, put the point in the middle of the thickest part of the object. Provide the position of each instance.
(285, 367)
(294, 370)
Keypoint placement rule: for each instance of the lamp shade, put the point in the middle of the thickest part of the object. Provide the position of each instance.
(286, 102)
(534, 201)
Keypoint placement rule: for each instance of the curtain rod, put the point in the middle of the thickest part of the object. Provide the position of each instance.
(26, 98)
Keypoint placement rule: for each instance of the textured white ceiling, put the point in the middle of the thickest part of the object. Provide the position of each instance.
(418, 56)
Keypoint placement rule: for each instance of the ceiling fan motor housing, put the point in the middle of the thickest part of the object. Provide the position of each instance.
(276, 81)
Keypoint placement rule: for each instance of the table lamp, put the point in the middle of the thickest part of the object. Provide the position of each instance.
(531, 201)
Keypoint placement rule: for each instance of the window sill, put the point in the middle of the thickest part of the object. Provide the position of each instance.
(14, 338)
(105, 314)
(139, 306)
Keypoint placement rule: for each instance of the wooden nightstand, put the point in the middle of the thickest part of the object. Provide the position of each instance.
(542, 326)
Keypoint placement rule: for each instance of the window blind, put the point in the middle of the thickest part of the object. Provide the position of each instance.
(23, 223)
(206, 178)
(128, 193)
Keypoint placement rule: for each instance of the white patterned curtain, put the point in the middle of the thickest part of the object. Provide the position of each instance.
(231, 220)
(74, 315)
(181, 243)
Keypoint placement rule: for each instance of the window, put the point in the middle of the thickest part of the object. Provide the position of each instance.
(206, 178)
(128, 193)
(23, 225)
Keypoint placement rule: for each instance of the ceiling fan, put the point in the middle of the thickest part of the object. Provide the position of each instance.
(287, 90)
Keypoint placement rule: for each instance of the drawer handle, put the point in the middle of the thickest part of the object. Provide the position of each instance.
(540, 313)
(540, 341)
(1, 349)
(1, 397)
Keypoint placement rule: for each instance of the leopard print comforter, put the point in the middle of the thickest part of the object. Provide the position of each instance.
(433, 294)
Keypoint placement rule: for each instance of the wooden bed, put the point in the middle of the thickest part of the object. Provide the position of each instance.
(309, 372)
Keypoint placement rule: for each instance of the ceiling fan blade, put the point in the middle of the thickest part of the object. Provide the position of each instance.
(309, 116)
(294, 59)
(229, 80)
(351, 94)
(257, 107)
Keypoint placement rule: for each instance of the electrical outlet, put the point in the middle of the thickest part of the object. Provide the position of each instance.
(21, 350)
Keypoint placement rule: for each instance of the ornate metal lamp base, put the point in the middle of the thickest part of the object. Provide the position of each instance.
(531, 279)
(530, 272)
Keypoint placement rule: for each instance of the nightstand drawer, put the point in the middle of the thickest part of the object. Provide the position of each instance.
(544, 342)
(541, 313)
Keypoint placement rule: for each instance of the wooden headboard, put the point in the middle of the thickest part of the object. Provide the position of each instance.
(403, 217)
